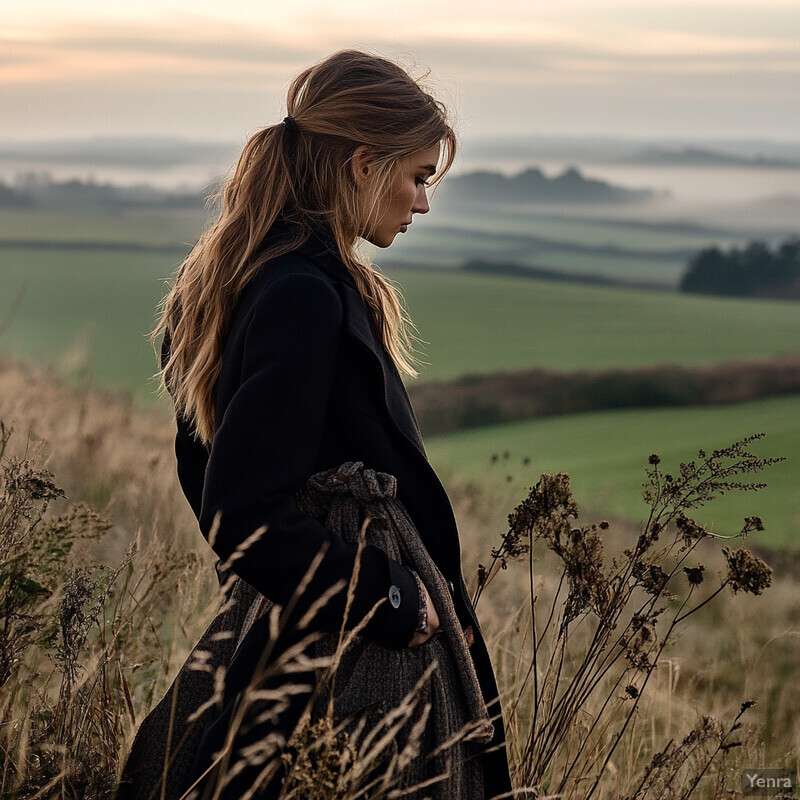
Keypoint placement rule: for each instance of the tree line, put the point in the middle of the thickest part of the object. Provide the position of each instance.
(755, 270)
(40, 191)
(473, 401)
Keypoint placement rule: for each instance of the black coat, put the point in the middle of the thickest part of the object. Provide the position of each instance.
(306, 385)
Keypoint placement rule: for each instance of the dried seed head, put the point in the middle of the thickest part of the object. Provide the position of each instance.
(582, 553)
(746, 572)
(752, 524)
(689, 530)
(695, 574)
(651, 577)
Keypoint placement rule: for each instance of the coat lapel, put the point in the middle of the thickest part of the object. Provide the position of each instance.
(358, 325)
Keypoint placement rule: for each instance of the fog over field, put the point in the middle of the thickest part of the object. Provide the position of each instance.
(692, 172)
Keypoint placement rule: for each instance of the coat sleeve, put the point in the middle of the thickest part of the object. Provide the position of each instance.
(264, 448)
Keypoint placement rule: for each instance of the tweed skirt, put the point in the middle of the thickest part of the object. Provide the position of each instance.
(410, 719)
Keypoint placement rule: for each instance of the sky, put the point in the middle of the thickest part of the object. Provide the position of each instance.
(217, 71)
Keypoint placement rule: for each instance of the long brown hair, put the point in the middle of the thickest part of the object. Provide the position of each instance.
(300, 173)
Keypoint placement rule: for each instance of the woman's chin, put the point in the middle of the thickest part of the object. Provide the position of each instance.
(381, 241)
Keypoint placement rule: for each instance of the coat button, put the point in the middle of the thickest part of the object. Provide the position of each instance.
(394, 597)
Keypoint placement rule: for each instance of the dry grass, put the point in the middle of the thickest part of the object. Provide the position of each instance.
(123, 651)
(734, 650)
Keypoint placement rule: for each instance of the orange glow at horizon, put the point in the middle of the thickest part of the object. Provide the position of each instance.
(578, 53)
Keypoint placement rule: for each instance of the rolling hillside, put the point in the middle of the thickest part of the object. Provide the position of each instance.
(90, 307)
(606, 454)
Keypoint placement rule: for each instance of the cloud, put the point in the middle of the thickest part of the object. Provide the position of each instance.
(532, 69)
(494, 48)
(79, 54)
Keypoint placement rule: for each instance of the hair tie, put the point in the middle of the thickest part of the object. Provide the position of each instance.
(291, 125)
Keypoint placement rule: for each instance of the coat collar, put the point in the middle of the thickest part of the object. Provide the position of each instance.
(324, 253)
(320, 247)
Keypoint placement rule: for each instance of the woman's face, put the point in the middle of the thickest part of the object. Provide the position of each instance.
(405, 196)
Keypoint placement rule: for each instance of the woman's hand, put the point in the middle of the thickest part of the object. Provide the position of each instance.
(420, 637)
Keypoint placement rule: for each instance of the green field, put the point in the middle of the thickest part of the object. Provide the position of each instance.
(476, 323)
(622, 249)
(451, 247)
(153, 228)
(85, 312)
(91, 308)
(606, 455)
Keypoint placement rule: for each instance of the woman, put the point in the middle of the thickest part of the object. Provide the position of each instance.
(283, 352)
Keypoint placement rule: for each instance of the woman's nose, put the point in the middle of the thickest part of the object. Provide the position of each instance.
(421, 205)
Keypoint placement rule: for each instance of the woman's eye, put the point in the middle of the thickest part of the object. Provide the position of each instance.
(422, 182)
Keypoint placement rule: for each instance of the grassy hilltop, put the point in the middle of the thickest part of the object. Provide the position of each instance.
(604, 452)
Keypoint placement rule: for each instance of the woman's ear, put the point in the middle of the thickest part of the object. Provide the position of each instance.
(361, 164)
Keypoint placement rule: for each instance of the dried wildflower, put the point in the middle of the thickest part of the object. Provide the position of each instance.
(545, 512)
(564, 681)
(481, 576)
(751, 524)
(648, 537)
(651, 577)
(79, 607)
(689, 530)
(514, 546)
(699, 482)
(746, 572)
(695, 574)
(582, 553)
(39, 485)
(640, 646)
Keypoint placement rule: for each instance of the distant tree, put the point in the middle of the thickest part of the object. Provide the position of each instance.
(787, 265)
(11, 198)
(754, 271)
